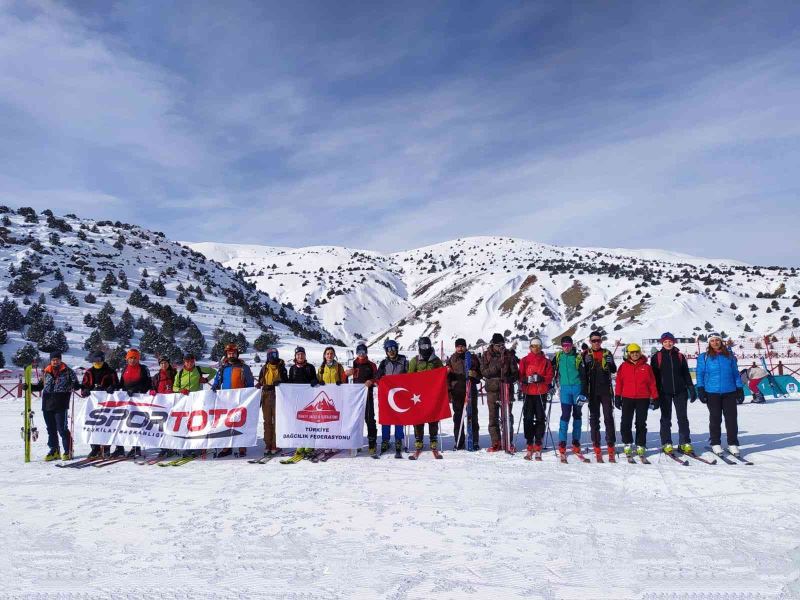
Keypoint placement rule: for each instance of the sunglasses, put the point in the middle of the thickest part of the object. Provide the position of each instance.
(595, 341)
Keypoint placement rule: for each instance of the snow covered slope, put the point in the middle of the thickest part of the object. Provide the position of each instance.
(176, 298)
(472, 287)
(471, 526)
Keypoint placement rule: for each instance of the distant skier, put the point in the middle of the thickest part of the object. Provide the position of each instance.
(498, 367)
(134, 379)
(598, 366)
(272, 374)
(535, 377)
(675, 387)
(636, 391)
(719, 386)
(426, 360)
(393, 364)
(457, 381)
(365, 371)
(57, 384)
(751, 377)
(99, 378)
(570, 375)
(233, 374)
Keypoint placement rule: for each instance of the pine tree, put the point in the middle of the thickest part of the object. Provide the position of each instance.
(116, 357)
(157, 287)
(3, 336)
(193, 341)
(123, 280)
(10, 316)
(2, 360)
(80, 286)
(264, 341)
(54, 341)
(105, 325)
(109, 283)
(26, 355)
(191, 306)
(94, 342)
(90, 298)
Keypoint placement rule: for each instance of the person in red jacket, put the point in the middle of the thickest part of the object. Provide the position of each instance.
(535, 378)
(635, 392)
(164, 379)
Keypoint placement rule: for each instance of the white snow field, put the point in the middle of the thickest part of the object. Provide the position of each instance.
(469, 526)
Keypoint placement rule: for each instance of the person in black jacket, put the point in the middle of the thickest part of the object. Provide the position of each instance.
(365, 371)
(57, 384)
(302, 371)
(598, 364)
(134, 379)
(675, 387)
(99, 378)
(272, 374)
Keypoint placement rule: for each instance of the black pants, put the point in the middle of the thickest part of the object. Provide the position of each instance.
(595, 402)
(533, 418)
(639, 408)
(719, 405)
(458, 395)
(680, 401)
(433, 430)
(369, 419)
(56, 422)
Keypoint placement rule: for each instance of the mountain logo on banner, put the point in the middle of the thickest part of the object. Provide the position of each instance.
(321, 410)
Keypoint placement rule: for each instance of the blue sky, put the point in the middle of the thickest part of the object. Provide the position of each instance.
(392, 125)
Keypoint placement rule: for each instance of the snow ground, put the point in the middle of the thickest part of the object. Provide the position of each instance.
(469, 526)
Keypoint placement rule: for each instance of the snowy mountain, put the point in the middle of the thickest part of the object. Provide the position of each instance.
(472, 287)
(76, 283)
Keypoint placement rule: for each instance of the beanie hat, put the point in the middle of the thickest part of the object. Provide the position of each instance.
(97, 357)
(298, 350)
(461, 342)
(361, 348)
(713, 335)
(189, 356)
(536, 342)
(667, 336)
(566, 340)
(633, 348)
(133, 353)
(498, 339)
(595, 334)
(55, 355)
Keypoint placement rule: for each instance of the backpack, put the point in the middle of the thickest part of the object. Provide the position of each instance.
(681, 357)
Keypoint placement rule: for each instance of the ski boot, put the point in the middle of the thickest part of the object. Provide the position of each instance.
(119, 452)
(134, 452)
(224, 452)
(640, 450)
(242, 452)
(562, 451)
(667, 449)
(716, 449)
(435, 449)
(398, 449)
(529, 453)
(598, 452)
(96, 452)
(686, 448)
(495, 447)
(384, 446)
(733, 449)
(612, 453)
(373, 452)
(628, 450)
(52, 455)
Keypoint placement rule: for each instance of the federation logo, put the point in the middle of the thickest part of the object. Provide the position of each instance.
(321, 410)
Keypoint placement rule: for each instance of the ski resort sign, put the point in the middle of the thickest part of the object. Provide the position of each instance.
(196, 421)
(326, 416)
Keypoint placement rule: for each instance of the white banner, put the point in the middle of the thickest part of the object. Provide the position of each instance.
(196, 421)
(325, 416)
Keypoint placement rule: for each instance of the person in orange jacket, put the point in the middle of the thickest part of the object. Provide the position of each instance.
(635, 392)
(535, 379)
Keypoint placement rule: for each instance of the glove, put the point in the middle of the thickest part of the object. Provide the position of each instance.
(185, 392)
(276, 383)
(692, 394)
(655, 404)
(85, 393)
(369, 383)
(618, 402)
(740, 395)
(701, 394)
(472, 374)
(580, 400)
(338, 383)
(152, 392)
(110, 389)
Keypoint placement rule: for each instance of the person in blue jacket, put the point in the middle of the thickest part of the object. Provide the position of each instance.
(233, 374)
(719, 386)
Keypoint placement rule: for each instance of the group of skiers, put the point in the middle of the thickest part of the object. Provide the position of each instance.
(579, 378)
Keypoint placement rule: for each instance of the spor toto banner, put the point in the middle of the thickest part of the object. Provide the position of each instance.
(196, 421)
(325, 416)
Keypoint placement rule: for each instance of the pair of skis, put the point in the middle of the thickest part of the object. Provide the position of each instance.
(506, 419)
(315, 457)
(729, 458)
(466, 411)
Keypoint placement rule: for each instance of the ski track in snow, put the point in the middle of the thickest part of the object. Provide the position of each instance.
(471, 525)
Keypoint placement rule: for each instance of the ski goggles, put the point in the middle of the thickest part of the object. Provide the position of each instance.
(425, 346)
(361, 353)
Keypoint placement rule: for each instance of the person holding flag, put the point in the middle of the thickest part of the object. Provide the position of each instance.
(425, 360)
(458, 377)
(393, 364)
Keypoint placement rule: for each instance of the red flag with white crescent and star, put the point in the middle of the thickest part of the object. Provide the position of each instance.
(413, 398)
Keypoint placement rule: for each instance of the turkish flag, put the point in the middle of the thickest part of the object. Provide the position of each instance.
(413, 398)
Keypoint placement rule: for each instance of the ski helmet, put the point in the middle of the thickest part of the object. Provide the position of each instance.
(390, 344)
(272, 354)
(425, 347)
(232, 348)
(498, 338)
(633, 348)
(361, 350)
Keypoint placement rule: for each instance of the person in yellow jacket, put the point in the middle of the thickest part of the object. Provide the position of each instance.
(331, 370)
(272, 374)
